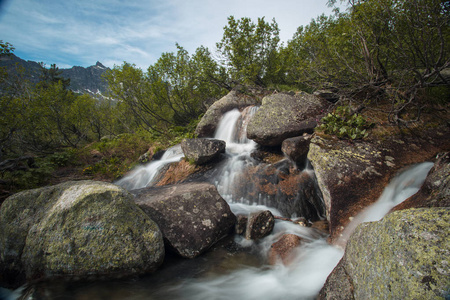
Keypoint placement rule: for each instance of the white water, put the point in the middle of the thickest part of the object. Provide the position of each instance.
(143, 176)
(403, 186)
(314, 259)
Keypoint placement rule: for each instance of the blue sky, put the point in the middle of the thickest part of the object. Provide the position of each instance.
(82, 32)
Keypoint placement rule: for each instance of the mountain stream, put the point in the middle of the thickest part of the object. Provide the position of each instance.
(226, 271)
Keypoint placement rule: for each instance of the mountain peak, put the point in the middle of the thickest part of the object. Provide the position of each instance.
(100, 65)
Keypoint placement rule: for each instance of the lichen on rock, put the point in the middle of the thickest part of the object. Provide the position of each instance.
(77, 229)
(403, 256)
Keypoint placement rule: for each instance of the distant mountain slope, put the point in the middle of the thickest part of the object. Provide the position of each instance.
(87, 80)
(82, 80)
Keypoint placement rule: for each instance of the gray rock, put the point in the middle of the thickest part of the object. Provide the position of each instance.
(202, 151)
(192, 217)
(403, 256)
(345, 173)
(76, 229)
(282, 116)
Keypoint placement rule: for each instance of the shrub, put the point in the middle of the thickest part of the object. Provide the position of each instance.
(345, 124)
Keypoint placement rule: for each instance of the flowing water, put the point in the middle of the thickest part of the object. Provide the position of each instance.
(143, 176)
(226, 273)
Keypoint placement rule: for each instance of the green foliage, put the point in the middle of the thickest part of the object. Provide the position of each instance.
(345, 124)
(172, 91)
(250, 51)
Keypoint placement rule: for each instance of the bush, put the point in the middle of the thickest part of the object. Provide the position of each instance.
(345, 124)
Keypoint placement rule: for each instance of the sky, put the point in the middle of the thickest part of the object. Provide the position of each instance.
(81, 32)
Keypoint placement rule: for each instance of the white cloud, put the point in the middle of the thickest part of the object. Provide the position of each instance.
(112, 31)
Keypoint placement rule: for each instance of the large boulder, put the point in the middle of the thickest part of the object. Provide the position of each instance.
(353, 174)
(282, 116)
(345, 173)
(202, 151)
(403, 256)
(237, 98)
(76, 229)
(192, 216)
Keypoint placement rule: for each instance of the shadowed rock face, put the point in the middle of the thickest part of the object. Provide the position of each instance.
(79, 229)
(282, 116)
(403, 256)
(191, 216)
(256, 225)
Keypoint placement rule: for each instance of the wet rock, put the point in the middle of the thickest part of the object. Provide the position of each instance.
(282, 186)
(282, 250)
(282, 116)
(297, 148)
(403, 256)
(202, 151)
(234, 99)
(76, 229)
(435, 191)
(259, 225)
(192, 217)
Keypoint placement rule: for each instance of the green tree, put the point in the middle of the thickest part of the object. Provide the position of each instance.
(250, 50)
(377, 50)
(172, 91)
(53, 75)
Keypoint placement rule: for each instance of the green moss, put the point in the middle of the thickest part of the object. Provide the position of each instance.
(403, 256)
(86, 228)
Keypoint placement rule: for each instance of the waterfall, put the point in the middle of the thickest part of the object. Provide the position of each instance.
(249, 185)
(144, 176)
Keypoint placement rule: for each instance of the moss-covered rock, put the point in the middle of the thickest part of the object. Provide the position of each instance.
(76, 229)
(282, 116)
(403, 256)
(353, 174)
(346, 173)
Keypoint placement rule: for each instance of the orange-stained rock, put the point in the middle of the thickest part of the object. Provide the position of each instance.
(282, 249)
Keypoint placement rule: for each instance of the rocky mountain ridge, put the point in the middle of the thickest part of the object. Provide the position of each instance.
(82, 80)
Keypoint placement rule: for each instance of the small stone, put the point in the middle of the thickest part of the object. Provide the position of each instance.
(259, 225)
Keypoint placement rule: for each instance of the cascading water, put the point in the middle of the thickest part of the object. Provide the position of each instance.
(314, 259)
(301, 279)
(143, 176)
(250, 185)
